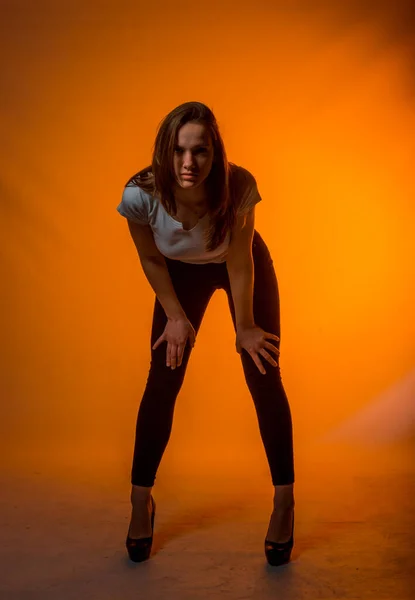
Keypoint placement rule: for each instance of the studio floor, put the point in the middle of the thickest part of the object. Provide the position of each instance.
(63, 530)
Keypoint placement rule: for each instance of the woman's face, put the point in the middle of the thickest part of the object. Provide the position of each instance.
(193, 155)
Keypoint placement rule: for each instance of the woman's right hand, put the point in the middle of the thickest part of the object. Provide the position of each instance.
(176, 333)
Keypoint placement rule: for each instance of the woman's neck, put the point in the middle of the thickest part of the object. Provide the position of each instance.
(191, 198)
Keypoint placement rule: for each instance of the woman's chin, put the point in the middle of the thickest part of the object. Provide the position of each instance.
(189, 183)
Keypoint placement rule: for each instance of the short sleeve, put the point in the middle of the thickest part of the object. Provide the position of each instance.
(135, 205)
(247, 192)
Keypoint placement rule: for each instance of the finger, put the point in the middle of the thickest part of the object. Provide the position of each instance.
(271, 347)
(178, 356)
(180, 351)
(258, 362)
(271, 336)
(268, 357)
(191, 339)
(173, 356)
(168, 355)
(157, 344)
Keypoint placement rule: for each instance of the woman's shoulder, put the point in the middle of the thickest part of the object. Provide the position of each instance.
(143, 180)
(240, 176)
(137, 203)
(238, 170)
(243, 188)
(135, 193)
(140, 187)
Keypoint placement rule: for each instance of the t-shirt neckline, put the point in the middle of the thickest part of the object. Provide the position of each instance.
(180, 224)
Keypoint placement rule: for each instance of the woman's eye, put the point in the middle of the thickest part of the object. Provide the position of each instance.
(197, 151)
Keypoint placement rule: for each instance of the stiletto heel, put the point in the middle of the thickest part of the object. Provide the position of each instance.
(279, 553)
(139, 549)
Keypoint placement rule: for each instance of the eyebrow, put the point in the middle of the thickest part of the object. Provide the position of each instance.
(195, 146)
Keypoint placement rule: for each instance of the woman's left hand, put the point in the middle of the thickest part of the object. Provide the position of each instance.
(254, 341)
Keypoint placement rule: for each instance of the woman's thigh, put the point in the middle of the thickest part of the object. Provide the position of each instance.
(266, 301)
(194, 286)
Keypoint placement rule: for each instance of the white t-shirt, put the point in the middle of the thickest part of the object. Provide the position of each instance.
(171, 239)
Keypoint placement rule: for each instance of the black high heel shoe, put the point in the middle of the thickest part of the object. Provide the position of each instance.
(139, 549)
(279, 553)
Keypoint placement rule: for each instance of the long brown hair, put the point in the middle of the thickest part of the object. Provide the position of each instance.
(158, 179)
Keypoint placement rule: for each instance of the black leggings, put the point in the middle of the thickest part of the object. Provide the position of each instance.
(194, 285)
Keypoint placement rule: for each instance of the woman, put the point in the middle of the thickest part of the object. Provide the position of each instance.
(191, 217)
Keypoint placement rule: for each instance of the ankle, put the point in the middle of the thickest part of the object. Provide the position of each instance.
(284, 498)
(283, 509)
(284, 502)
(140, 494)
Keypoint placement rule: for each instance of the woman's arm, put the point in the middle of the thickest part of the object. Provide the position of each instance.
(240, 267)
(155, 269)
(178, 330)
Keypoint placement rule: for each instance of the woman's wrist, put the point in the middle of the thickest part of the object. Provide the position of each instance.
(176, 315)
(246, 324)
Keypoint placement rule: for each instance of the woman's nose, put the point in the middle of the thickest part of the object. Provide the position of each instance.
(188, 160)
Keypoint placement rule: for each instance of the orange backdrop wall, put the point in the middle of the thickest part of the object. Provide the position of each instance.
(317, 101)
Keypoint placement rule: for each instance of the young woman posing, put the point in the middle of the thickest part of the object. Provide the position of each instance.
(191, 217)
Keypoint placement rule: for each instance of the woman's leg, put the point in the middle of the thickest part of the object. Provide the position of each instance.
(155, 415)
(270, 399)
(194, 288)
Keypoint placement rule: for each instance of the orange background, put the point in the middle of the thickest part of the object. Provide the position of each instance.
(317, 102)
